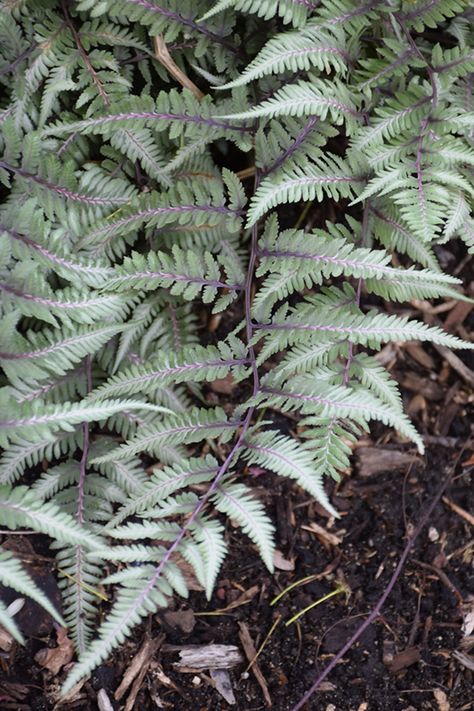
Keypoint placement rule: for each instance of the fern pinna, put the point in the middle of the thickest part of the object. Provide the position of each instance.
(120, 222)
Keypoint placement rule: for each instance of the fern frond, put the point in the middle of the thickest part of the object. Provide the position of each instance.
(194, 426)
(237, 501)
(326, 100)
(428, 13)
(54, 353)
(79, 579)
(39, 420)
(165, 482)
(69, 305)
(296, 51)
(194, 363)
(207, 552)
(286, 457)
(289, 10)
(20, 507)
(327, 175)
(330, 441)
(14, 576)
(369, 330)
(333, 401)
(184, 272)
(131, 605)
(25, 453)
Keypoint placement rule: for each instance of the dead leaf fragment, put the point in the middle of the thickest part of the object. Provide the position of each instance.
(103, 701)
(282, 563)
(224, 386)
(182, 620)
(223, 684)
(441, 700)
(323, 534)
(404, 659)
(6, 640)
(57, 657)
(468, 616)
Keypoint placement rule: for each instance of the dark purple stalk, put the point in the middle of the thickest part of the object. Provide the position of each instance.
(187, 22)
(85, 449)
(376, 610)
(85, 57)
(299, 140)
(407, 16)
(13, 65)
(350, 356)
(61, 190)
(354, 13)
(179, 277)
(184, 118)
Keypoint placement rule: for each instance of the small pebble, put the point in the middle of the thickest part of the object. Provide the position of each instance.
(433, 534)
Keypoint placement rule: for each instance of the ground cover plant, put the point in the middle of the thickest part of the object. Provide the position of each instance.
(283, 168)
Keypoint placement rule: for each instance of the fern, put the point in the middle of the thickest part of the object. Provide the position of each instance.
(138, 266)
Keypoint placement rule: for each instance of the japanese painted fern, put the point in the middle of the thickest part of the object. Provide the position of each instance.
(121, 227)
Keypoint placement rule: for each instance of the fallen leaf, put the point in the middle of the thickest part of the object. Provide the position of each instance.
(468, 616)
(404, 659)
(223, 684)
(55, 658)
(441, 700)
(223, 386)
(282, 563)
(182, 620)
(321, 532)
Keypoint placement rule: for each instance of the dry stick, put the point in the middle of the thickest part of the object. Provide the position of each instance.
(443, 578)
(251, 654)
(164, 57)
(376, 610)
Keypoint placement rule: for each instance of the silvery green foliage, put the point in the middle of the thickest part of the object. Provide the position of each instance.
(120, 226)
